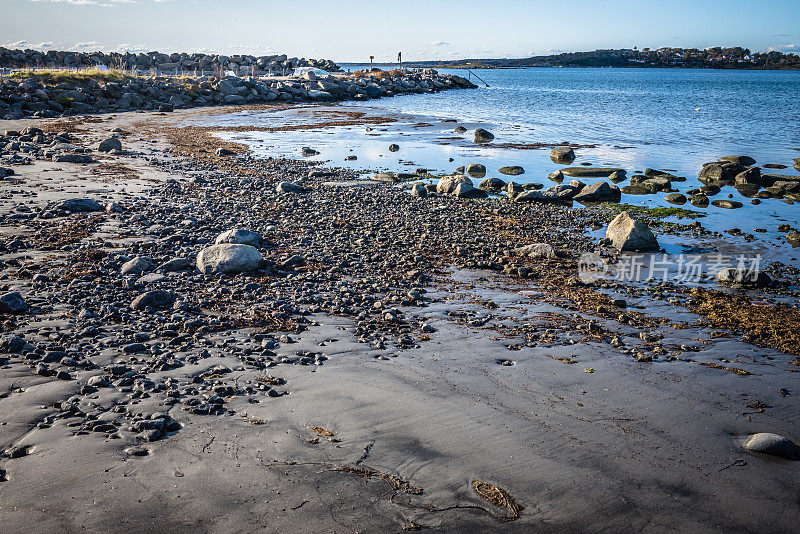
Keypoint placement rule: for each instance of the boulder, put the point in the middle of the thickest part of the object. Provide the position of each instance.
(751, 176)
(592, 172)
(492, 185)
(676, 198)
(616, 177)
(394, 148)
(110, 144)
(79, 205)
(773, 444)
(599, 192)
(531, 196)
(287, 187)
(738, 276)
(240, 236)
(419, 190)
(627, 233)
(229, 258)
(448, 184)
(483, 136)
(175, 264)
(308, 151)
(699, 201)
(537, 251)
(386, 177)
(511, 170)
(562, 154)
(136, 267)
(224, 152)
(475, 170)
(13, 303)
(513, 188)
(797, 163)
(465, 190)
(159, 298)
(727, 204)
(72, 158)
(747, 161)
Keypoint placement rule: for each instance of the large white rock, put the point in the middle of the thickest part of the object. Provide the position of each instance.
(627, 233)
(239, 236)
(537, 251)
(448, 184)
(772, 444)
(229, 259)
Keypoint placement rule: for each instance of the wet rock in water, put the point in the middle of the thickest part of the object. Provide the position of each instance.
(136, 267)
(229, 258)
(460, 129)
(419, 190)
(676, 198)
(448, 184)
(727, 204)
(351, 158)
(635, 190)
(224, 152)
(239, 236)
(537, 251)
(483, 136)
(13, 303)
(592, 172)
(793, 238)
(492, 185)
(475, 170)
(599, 192)
(738, 276)
(739, 160)
(79, 205)
(751, 176)
(627, 233)
(511, 170)
(287, 187)
(110, 144)
(465, 190)
(159, 298)
(308, 151)
(556, 177)
(616, 177)
(531, 196)
(797, 163)
(394, 147)
(773, 444)
(513, 188)
(699, 201)
(562, 154)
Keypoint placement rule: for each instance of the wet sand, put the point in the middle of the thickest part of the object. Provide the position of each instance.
(517, 390)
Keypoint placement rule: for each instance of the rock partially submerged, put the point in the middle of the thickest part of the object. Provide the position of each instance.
(448, 184)
(592, 172)
(229, 259)
(475, 170)
(629, 234)
(562, 154)
(492, 185)
(511, 170)
(465, 190)
(599, 192)
(483, 136)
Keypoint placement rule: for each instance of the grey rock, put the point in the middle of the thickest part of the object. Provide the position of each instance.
(466, 190)
(627, 233)
(483, 136)
(773, 444)
(110, 144)
(492, 185)
(419, 190)
(229, 258)
(599, 192)
(240, 236)
(738, 276)
(561, 154)
(727, 204)
(739, 160)
(13, 303)
(537, 251)
(511, 170)
(676, 198)
(287, 187)
(77, 205)
(136, 266)
(448, 184)
(475, 170)
(592, 172)
(159, 298)
(72, 158)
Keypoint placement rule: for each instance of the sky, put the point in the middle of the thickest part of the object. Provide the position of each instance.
(353, 30)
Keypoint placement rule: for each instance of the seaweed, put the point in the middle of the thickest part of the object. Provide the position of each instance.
(498, 497)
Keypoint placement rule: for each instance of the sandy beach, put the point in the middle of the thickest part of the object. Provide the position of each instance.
(377, 373)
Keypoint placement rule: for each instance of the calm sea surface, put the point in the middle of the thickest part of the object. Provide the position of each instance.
(670, 119)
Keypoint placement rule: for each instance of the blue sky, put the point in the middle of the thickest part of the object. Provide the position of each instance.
(352, 30)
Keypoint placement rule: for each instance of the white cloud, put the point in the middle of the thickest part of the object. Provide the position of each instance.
(440, 43)
(794, 48)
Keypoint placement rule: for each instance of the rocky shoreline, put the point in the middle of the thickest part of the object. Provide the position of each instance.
(195, 339)
(64, 94)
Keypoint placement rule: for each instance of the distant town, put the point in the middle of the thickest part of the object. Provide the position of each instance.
(714, 57)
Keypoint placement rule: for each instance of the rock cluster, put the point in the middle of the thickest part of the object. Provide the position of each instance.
(156, 61)
(37, 96)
